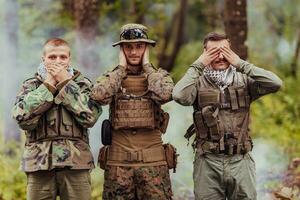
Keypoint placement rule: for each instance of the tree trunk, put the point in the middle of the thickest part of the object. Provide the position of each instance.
(235, 21)
(167, 41)
(294, 65)
(167, 61)
(10, 66)
(137, 10)
(86, 16)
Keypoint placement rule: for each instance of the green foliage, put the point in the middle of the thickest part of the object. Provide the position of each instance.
(187, 55)
(272, 40)
(97, 183)
(277, 117)
(9, 173)
(38, 18)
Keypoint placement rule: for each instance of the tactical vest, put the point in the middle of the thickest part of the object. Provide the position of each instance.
(221, 119)
(57, 123)
(132, 107)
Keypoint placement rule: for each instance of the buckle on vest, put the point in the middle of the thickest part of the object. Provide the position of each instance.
(230, 149)
(227, 136)
(225, 105)
(132, 156)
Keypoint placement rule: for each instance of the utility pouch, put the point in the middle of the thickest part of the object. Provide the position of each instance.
(208, 97)
(210, 116)
(201, 129)
(171, 156)
(164, 122)
(102, 158)
(52, 122)
(106, 132)
(66, 125)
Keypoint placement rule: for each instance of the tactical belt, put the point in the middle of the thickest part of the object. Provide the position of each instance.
(144, 155)
(230, 149)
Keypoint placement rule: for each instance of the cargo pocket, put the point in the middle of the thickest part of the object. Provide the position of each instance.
(52, 125)
(40, 131)
(66, 127)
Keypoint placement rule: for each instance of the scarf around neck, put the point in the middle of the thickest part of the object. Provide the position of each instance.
(222, 78)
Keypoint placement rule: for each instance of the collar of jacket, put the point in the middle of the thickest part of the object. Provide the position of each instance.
(134, 70)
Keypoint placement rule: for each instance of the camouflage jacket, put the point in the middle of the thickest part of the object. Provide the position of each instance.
(160, 84)
(34, 99)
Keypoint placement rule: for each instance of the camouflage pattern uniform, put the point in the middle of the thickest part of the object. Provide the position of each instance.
(52, 165)
(223, 173)
(137, 179)
(137, 182)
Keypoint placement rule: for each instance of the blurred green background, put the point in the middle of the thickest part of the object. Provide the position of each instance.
(266, 33)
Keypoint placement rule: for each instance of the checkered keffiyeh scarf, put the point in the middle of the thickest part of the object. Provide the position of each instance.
(222, 78)
(42, 71)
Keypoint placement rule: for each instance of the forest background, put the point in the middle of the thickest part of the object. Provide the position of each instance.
(266, 33)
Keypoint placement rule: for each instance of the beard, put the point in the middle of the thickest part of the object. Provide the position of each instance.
(134, 61)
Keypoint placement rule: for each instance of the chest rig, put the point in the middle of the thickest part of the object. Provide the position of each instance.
(221, 119)
(132, 107)
(57, 123)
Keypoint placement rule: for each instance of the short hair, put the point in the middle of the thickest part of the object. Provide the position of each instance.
(55, 42)
(213, 36)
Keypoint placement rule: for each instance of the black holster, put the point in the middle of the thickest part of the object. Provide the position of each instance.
(106, 132)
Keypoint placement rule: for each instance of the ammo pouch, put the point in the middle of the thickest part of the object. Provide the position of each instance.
(57, 123)
(171, 156)
(102, 158)
(106, 132)
(199, 126)
(210, 117)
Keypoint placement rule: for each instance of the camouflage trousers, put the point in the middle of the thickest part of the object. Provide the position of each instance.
(65, 183)
(137, 183)
(220, 177)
